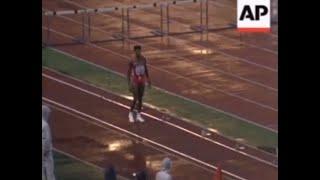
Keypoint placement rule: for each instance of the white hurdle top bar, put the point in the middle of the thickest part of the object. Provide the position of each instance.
(112, 9)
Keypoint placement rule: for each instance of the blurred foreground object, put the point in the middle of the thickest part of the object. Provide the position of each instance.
(47, 157)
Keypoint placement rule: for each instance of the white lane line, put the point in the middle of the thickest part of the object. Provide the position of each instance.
(221, 52)
(200, 64)
(178, 75)
(187, 59)
(152, 107)
(126, 135)
(226, 37)
(222, 5)
(158, 119)
(85, 162)
(203, 65)
(78, 159)
(171, 93)
(142, 138)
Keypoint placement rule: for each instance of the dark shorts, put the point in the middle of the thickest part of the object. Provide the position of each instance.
(138, 90)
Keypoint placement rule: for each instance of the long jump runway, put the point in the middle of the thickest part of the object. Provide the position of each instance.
(85, 112)
(239, 80)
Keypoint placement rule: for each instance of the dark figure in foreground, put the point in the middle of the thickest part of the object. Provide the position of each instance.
(110, 173)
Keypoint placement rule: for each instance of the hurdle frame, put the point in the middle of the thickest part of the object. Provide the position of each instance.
(125, 18)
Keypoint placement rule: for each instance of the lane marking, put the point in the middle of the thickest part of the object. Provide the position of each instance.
(187, 59)
(86, 162)
(128, 136)
(226, 37)
(178, 75)
(155, 108)
(140, 137)
(221, 52)
(168, 92)
(226, 54)
(158, 119)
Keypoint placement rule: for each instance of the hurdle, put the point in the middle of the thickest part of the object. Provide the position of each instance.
(125, 18)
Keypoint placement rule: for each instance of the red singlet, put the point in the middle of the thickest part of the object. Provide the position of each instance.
(139, 71)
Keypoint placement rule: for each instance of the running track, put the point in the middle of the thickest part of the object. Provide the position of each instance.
(98, 145)
(241, 81)
(109, 110)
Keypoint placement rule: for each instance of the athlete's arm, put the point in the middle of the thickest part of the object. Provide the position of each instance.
(129, 72)
(147, 73)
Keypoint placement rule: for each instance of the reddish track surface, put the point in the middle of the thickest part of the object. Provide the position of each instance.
(159, 132)
(241, 80)
(98, 145)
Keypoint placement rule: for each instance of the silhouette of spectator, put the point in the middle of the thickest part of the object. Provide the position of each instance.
(142, 175)
(47, 155)
(164, 173)
(110, 173)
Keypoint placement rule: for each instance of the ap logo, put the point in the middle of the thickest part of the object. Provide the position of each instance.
(253, 15)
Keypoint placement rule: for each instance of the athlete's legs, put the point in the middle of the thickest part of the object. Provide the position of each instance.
(133, 103)
(135, 97)
(140, 96)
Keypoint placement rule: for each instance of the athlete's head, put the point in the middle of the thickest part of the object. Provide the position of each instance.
(137, 50)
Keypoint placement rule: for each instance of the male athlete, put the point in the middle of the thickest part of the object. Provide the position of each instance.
(137, 77)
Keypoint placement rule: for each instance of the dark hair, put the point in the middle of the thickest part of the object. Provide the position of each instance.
(136, 47)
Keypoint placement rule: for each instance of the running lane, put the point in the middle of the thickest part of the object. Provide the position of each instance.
(95, 143)
(208, 85)
(195, 147)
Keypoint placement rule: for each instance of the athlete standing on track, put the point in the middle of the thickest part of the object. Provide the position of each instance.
(137, 76)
